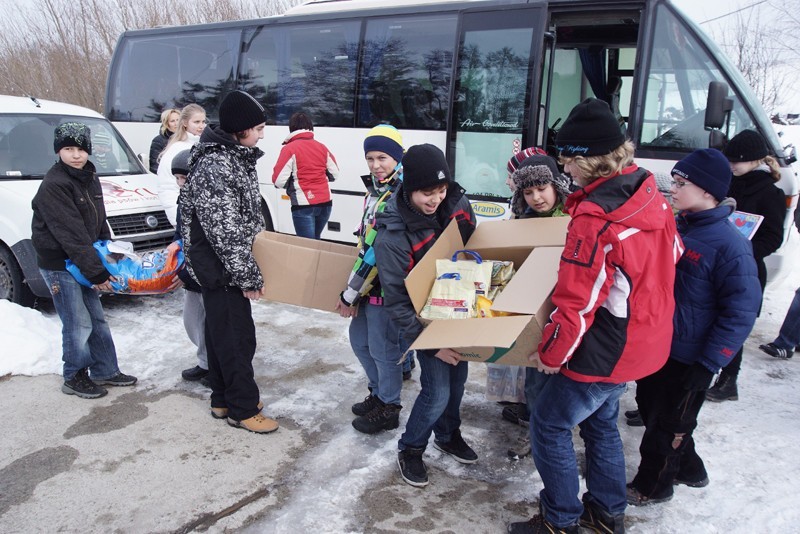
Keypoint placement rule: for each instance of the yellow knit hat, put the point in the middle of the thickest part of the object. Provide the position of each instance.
(385, 138)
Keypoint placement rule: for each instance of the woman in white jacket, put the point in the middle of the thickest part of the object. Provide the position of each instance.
(190, 126)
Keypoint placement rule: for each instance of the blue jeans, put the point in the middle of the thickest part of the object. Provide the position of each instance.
(310, 221)
(85, 336)
(562, 404)
(535, 381)
(789, 335)
(437, 408)
(375, 341)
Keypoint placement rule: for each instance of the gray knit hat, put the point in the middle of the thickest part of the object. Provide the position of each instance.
(73, 134)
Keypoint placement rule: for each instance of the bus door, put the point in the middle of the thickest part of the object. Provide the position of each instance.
(497, 52)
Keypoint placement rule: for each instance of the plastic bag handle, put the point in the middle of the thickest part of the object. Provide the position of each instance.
(472, 253)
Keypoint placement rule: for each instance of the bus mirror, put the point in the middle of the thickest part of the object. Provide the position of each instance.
(716, 139)
(718, 105)
(791, 154)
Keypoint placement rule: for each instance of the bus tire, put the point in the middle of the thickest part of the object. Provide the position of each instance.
(268, 226)
(12, 281)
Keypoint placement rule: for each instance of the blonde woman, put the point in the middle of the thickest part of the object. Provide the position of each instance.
(169, 123)
(190, 126)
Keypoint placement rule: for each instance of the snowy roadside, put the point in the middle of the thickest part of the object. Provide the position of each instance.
(317, 473)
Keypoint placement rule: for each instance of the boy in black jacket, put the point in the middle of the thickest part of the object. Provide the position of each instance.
(68, 217)
(414, 218)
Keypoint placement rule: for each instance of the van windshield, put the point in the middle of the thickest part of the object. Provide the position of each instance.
(26, 146)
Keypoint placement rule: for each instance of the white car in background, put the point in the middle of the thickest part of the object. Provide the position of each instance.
(133, 209)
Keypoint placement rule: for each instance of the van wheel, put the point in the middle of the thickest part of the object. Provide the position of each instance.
(12, 282)
(268, 226)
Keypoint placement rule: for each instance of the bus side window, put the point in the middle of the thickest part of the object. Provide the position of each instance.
(405, 78)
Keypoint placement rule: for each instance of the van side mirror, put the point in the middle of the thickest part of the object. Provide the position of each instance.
(718, 105)
(716, 139)
(791, 154)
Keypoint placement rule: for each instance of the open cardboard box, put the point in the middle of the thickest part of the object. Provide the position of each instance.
(535, 246)
(304, 272)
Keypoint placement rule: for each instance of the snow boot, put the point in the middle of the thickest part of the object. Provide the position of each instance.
(82, 386)
(457, 448)
(382, 417)
(258, 424)
(369, 403)
(539, 525)
(724, 390)
(598, 520)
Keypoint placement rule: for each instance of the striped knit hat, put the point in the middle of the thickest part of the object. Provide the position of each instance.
(522, 155)
(385, 138)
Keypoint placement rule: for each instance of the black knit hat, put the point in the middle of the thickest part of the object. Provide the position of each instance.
(424, 166)
(590, 130)
(536, 171)
(747, 145)
(180, 163)
(708, 169)
(73, 134)
(239, 111)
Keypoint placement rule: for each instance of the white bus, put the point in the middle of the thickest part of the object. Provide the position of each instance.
(479, 79)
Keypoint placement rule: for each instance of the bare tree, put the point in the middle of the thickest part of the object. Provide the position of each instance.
(61, 49)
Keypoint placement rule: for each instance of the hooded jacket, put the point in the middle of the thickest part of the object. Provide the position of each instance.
(717, 295)
(756, 192)
(304, 168)
(68, 217)
(404, 236)
(221, 212)
(614, 296)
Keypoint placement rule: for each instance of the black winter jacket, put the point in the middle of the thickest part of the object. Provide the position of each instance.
(157, 146)
(221, 212)
(68, 217)
(404, 236)
(756, 192)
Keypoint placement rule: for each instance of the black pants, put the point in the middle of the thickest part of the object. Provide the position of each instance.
(732, 369)
(231, 344)
(667, 410)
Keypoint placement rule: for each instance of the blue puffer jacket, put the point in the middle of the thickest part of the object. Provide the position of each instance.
(717, 294)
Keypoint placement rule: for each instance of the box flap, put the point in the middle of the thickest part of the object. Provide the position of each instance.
(529, 289)
(464, 333)
(420, 280)
(520, 233)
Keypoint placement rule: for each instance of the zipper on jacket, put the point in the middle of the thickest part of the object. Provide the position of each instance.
(94, 208)
(551, 338)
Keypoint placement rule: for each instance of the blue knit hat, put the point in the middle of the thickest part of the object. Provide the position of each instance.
(708, 169)
(385, 138)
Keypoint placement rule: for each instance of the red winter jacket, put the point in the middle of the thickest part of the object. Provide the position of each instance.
(614, 296)
(304, 168)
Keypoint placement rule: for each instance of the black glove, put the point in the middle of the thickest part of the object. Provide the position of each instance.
(697, 378)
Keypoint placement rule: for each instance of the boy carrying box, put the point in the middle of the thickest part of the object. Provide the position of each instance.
(414, 218)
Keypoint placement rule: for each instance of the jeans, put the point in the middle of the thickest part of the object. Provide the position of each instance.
(667, 409)
(85, 336)
(789, 335)
(310, 221)
(437, 408)
(194, 322)
(593, 406)
(535, 382)
(375, 341)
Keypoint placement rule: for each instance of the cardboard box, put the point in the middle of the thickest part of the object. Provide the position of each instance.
(303, 272)
(535, 246)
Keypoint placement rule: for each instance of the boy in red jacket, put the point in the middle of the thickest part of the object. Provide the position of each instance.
(612, 322)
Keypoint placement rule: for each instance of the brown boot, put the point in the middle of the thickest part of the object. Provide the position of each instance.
(258, 424)
(222, 413)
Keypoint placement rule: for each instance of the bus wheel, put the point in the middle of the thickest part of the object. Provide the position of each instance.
(12, 282)
(268, 226)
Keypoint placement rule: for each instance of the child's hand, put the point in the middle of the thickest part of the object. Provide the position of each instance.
(546, 369)
(106, 286)
(255, 294)
(448, 356)
(344, 310)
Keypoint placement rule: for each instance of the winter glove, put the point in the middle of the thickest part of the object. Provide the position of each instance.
(697, 378)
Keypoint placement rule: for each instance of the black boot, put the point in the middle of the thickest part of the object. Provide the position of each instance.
(367, 405)
(596, 519)
(382, 417)
(412, 468)
(725, 389)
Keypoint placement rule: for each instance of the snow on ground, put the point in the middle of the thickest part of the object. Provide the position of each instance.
(748, 445)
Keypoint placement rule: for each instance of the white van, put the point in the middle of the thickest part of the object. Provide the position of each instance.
(133, 210)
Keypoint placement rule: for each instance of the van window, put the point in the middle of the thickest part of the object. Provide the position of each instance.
(26, 146)
(677, 88)
(405, 79)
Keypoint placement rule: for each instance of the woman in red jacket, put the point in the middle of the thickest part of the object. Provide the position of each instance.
(304, 168)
